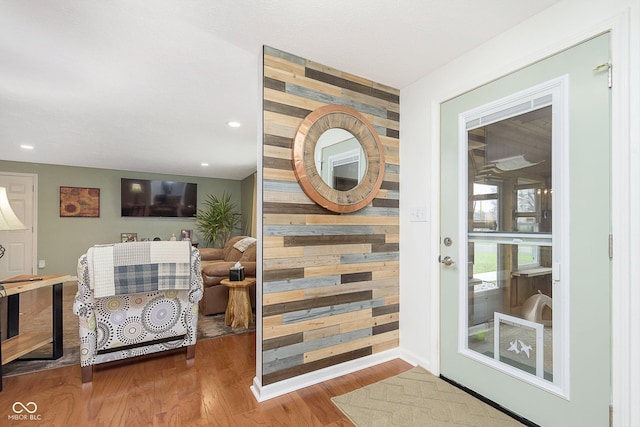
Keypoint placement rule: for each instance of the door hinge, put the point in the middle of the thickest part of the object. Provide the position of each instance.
(610, 415)
(610, 246)
(608, 66)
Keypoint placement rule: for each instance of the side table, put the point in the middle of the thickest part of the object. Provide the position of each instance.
(239, 306)
(17, 344)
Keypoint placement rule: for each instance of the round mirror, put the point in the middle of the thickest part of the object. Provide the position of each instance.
(338, 158)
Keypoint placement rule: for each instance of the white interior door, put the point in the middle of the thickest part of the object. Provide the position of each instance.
(525, 223)
(19, 244)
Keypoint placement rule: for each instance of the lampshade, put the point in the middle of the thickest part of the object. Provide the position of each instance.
(8, 219)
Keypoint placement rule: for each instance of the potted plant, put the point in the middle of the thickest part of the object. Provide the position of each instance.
(217, 219)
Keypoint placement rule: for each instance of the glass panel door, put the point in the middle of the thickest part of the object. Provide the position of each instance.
(525, 217)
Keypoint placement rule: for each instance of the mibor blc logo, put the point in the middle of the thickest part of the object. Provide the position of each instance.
(25, 411)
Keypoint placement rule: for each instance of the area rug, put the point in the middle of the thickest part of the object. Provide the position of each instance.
(418, 398)
(208, 327)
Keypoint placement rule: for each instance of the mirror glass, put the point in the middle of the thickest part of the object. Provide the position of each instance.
(340, 159)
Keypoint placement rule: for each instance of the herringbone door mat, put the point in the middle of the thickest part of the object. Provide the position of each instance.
(418, 398)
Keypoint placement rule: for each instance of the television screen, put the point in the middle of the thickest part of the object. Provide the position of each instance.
(151, 198)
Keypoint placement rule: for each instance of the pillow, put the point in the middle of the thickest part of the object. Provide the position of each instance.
(243, 244)
(249, 255)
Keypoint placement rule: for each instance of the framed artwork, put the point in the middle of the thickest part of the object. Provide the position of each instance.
(79, 202)
(186, 234)
(128, 237)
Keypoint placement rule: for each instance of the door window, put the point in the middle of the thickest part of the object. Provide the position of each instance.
(510, 292)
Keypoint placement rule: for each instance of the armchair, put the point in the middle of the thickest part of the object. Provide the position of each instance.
(136, 298)
(215, 267)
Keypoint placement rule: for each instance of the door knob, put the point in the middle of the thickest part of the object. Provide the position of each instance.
(448, 261)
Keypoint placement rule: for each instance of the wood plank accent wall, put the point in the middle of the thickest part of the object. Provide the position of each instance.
(330, 281)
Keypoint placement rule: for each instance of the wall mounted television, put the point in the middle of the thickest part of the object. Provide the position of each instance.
(155, 198)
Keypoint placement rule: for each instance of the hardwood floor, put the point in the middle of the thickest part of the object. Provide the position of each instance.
(164, 391)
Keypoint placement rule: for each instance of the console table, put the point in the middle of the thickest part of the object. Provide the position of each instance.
(527, 281)
(17, 344)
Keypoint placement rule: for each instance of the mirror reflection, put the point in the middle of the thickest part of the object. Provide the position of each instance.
(340, 159)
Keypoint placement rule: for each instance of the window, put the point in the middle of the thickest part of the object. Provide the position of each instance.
(527, 220)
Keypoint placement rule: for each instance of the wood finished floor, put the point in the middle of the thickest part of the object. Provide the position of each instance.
(166, 391)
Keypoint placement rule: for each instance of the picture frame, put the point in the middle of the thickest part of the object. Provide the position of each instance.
(186, 234)
(128, 237)
(79, 202)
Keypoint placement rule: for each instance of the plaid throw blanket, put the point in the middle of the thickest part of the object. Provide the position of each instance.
(136, 267)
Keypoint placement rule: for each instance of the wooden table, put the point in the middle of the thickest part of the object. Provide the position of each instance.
(527, 282)
(239, 306)
(17, 344)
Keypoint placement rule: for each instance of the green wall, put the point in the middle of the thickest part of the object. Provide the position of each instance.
(62, 240)
(248, 186)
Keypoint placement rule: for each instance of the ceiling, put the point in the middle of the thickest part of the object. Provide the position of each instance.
(149, 86)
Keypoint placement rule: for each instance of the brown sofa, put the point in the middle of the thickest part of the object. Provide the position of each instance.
(215, 267)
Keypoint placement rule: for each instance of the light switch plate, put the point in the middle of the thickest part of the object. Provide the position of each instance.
(418, 214)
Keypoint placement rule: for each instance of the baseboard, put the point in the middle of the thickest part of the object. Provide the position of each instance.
(262, 393)
(414, 360)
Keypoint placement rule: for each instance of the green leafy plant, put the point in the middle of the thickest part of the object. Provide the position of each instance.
(217, 220)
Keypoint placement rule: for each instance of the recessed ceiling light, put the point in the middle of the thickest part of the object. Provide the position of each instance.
(234, 124)
(27, 147)
(204, 164)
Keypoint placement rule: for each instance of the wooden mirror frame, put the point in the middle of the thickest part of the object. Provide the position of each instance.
(312, 127)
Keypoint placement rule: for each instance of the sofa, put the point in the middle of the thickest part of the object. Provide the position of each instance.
(216, 263)
(136, 298)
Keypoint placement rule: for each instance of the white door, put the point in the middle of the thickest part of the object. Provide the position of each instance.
(525, 273)
(19, 245)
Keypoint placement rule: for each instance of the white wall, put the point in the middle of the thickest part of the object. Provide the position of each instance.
(565, 24)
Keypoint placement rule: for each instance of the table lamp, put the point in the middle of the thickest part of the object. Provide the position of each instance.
(8, 219)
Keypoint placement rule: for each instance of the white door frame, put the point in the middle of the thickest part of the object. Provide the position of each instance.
(351, 156)
(34, 231)
(625, 322)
